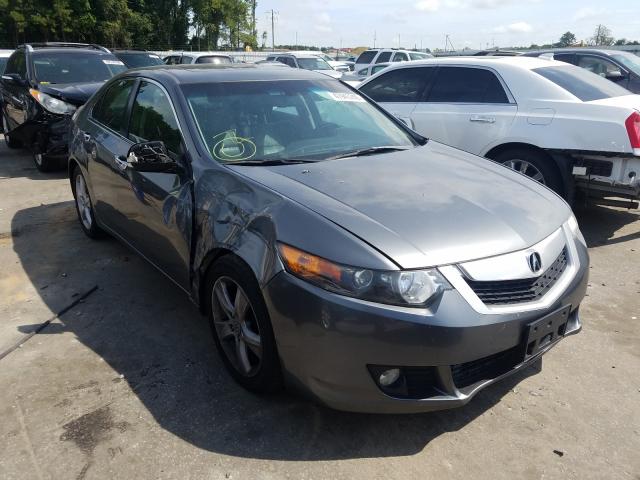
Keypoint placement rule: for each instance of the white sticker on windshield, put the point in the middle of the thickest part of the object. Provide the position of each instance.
(112, 62)
(346, 97)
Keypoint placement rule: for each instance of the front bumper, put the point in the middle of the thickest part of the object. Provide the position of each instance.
(328, 343)
(46, 133)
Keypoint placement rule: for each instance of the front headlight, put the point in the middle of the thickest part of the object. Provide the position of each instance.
(403, 287)
(575, 229)
(52, 104)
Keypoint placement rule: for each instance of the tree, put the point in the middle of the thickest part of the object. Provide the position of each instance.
(567, 39)
(602, 36)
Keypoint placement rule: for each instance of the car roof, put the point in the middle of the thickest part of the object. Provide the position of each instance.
(603, 51)
(526, 63)
(211, 73)
(88, 51)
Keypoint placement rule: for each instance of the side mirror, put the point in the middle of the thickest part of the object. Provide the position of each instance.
(151, 157)
(12, 78)
(615, 75)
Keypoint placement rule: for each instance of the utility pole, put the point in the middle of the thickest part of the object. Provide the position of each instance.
(273, 30)
(296, 39)
(374, 39)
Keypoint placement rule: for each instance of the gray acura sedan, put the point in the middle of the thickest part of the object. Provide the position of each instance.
(333, 249)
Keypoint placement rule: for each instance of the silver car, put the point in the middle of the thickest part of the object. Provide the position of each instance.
(333, 249)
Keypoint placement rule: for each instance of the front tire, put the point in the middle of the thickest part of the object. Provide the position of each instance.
(536, 165)
(84, 205)
(45, 163)
(241, 326)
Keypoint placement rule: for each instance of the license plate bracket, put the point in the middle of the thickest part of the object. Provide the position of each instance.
(544, 332)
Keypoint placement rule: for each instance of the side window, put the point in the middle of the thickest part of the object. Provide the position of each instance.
(17, 64)
(186, 59)
(565, 57)
(598, 65)
(111, 109)
(400, 57)
(467, 85)
(366, 57)
(170, 60)
(383, 57)
(377, 68)
(290, 61)
(152, 118)
(400, 85)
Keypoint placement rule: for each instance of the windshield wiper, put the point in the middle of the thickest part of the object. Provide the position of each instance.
(369, 151)
(267, 163)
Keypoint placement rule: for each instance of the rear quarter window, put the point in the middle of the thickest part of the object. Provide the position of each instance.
(581, 83)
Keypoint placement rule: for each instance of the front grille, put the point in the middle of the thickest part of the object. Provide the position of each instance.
(487, 368)
(503, 292)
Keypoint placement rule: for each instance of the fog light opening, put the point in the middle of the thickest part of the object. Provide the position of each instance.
(389, 377)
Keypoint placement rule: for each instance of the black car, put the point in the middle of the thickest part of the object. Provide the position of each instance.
(138, 58)
(42, 86)
(618, 66)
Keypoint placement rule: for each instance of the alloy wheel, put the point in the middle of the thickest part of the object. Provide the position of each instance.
(84, 202)
(236, 326)
(526, 168)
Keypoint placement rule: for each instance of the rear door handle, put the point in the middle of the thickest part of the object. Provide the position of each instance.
(87, 137)
(482, 119)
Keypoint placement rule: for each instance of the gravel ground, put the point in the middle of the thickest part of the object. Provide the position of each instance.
(127, 383)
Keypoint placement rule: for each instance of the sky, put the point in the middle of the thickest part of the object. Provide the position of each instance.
(469, 23)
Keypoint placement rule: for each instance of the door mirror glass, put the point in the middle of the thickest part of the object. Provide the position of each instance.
(151, 157)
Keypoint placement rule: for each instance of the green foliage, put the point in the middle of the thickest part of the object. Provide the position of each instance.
(567, 39)
(152, 24)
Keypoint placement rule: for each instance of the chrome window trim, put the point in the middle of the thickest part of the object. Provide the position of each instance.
(455, 277)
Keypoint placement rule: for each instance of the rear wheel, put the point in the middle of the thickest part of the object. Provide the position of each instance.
(536, 165)
(241, 326)
(9, 140)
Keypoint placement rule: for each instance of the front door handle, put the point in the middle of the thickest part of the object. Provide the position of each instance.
(121, 162)
(87, 137)
(482, 119)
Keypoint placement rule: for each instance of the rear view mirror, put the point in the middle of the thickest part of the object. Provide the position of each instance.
(151, 157)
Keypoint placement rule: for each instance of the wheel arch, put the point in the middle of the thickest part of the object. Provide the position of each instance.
(560, 162)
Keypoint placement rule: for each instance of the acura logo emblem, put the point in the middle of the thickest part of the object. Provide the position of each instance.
(535, 262)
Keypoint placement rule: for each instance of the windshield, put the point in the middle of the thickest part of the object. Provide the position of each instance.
(75, 67)
(632, 62)
(313, 64)
(215, 59)
(581, 83)
(142, 59)
(290, 119)
(3, 63)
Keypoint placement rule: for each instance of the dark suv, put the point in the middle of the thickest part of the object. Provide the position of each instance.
(42, 86)
(618, 66)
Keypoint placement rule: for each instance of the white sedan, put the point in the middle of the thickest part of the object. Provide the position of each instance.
(555, 122)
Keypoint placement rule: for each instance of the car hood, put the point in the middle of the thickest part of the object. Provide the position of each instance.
(428, 206)
(331, 73)
(75, 93)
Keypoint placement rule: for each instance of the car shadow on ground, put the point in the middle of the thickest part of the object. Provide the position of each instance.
(16, 163)
(599, 224)
(154, 338)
